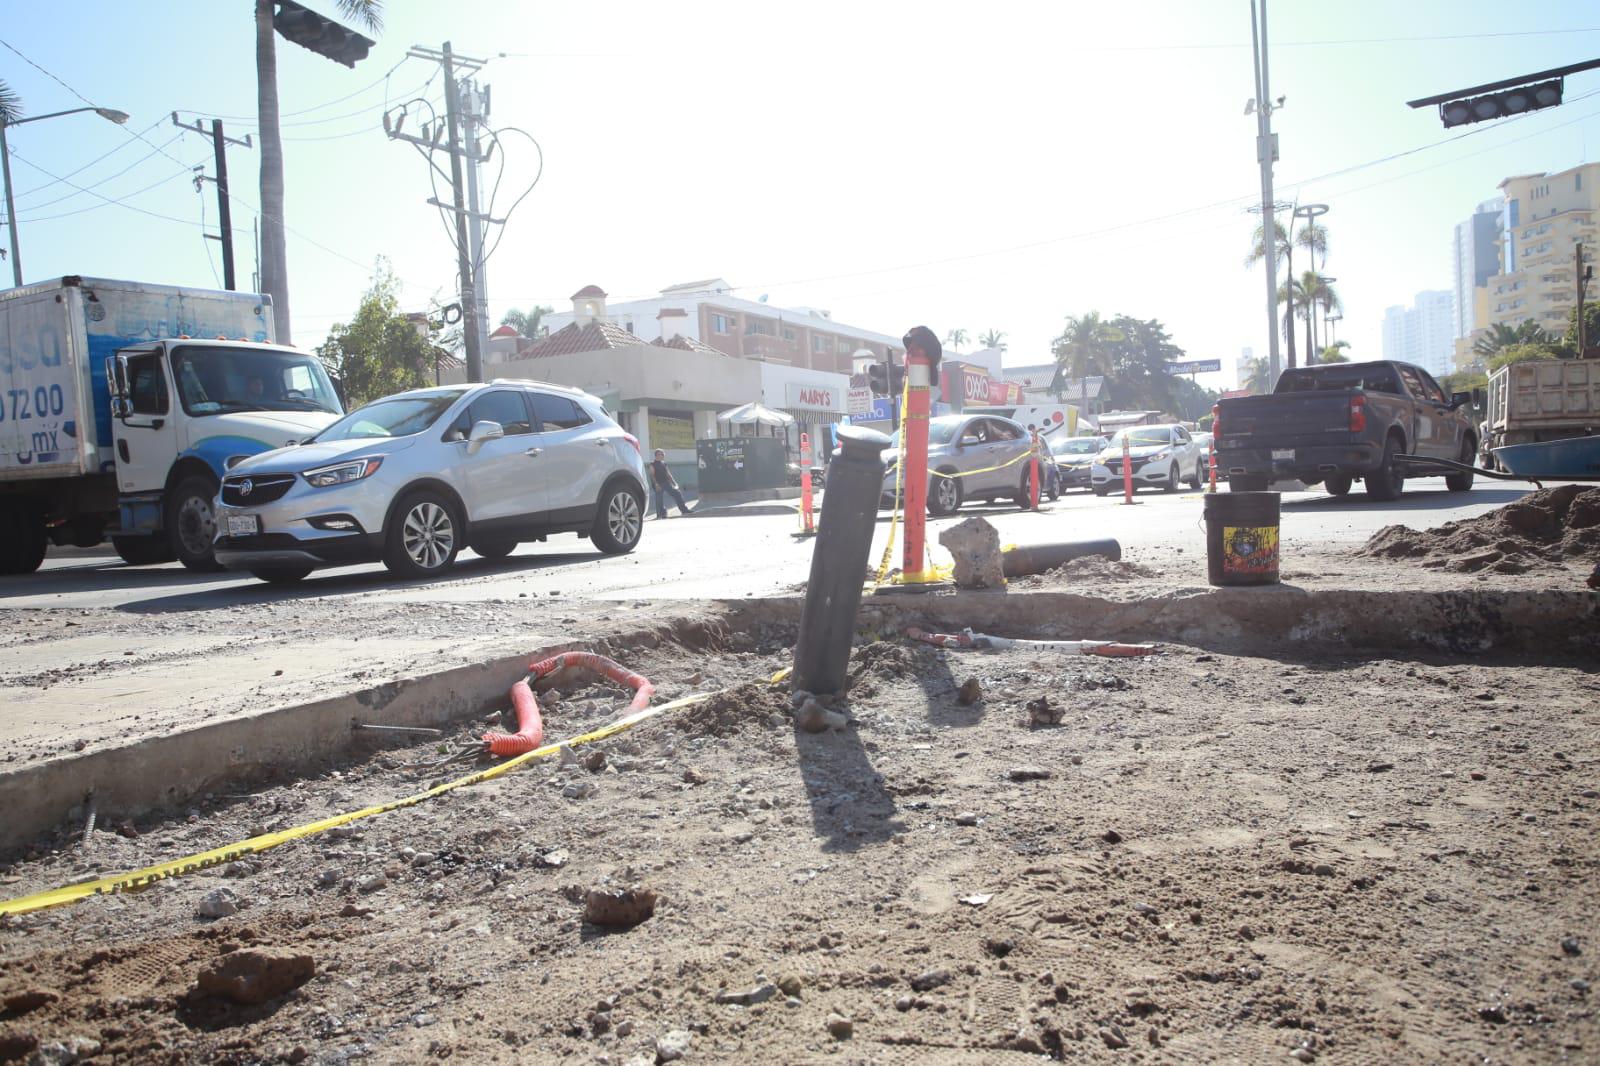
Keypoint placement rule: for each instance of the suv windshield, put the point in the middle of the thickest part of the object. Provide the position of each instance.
(1137, 435)
(1076, 446)
(215, 380)
(398, 416)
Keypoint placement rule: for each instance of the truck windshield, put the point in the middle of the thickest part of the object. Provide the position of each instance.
(398, 416)
(218, 380)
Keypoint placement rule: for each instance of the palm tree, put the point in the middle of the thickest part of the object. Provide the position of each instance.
(956, 338)
(274, 255)
(10, 104)
(1281, 249)
(1258, 378)
(1084, 349)
(1500, 335)
(1314, 239)
(1313, 293)
(992, 338)
(1334, 353)
(526, 322)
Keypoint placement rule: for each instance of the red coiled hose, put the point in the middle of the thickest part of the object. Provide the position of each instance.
(530, 727)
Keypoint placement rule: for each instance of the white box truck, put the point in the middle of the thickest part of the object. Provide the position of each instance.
(122, 403)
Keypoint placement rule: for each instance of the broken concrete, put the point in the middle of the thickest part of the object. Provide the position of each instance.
(975, 547)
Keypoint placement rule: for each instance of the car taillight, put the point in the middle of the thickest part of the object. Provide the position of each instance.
(1358, 414)
(631, 439)
(1216, 421)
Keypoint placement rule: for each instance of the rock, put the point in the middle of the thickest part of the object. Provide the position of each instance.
(1494, 1013)
(371, 883)
(903, 1003)
(813, 717)
(1111, 836)
(255, 975)
(790, 984)
(967, 818)
(551, 860)
(619, 908)
(999, 947)
(1029, 773)
(423, 858)
(600, 1024)
(928, 980)
(62, 1052)
(975, 547)
(330, 877)
(1569, 946)
(1042, 712)
(594, 761)
(1113, 1037)
(625, 1028)
(27, 1000)
(840, 1027)
(691, 776)
(1246, 933)
(1380, 767)
(970, 692)
(674, 1045)
(745, 997)
(1303, 1054)
(576, 789)
(219, 903)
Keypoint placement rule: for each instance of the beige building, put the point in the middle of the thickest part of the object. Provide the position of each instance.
(1545, 216)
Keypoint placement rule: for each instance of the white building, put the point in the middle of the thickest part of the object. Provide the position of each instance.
(1423, 333)
(1475, 258)
(1241, 368)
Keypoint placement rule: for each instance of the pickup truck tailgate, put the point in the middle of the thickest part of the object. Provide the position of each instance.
(1286, 419)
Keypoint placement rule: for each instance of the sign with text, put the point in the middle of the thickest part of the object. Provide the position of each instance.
(1195, 366)
(802, 397)
(1004, 393)
(858, 401)
(670, 432)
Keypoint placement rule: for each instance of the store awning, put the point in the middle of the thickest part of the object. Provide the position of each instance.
(754, 414)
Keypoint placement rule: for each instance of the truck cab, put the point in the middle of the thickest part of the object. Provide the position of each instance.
(182, 409)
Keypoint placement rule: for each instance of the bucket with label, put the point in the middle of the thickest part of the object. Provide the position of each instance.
(1242, 538)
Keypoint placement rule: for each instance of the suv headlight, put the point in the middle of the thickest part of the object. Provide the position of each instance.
(325, 477)
(1159, 456)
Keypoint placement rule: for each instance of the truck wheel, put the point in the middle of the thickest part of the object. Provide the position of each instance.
(944, 496)
(281, 575)
(143, 551)
(22, 540)
(618, 521)
(1337, 484)
(1247, 483)
(423, 536)
(192, 522)
(1387, 482)
(1462, 482)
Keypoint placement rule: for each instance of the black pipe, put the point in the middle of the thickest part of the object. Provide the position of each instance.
(839, 562)
(1037, 558)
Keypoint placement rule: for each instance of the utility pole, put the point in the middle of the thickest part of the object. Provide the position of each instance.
(1266, 155)
(475, 110)
(469, 299)
(219, 144)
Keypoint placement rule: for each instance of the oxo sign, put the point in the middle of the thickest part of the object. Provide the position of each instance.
(975, 387)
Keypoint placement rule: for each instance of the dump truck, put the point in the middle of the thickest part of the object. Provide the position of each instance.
(1539, 401)
(122, 404)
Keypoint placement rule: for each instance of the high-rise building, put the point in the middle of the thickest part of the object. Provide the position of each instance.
(1544, 216)
(1422, 333)
(1475, 259)
(1242, 367)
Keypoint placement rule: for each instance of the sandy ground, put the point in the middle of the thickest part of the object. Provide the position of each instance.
(1212, 858)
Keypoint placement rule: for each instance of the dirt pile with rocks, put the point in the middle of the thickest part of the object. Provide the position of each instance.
(1547, 530)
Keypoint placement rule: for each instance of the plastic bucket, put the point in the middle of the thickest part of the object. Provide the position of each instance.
(1242, 538)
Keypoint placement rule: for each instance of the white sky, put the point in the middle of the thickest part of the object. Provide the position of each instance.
(978, 166)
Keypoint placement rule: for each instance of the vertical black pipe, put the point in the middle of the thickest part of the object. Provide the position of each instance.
(839, 561)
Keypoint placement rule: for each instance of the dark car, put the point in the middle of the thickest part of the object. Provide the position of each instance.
(1074, 456)
(1341, 422)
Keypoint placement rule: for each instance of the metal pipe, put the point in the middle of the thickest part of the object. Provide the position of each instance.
(839, 561)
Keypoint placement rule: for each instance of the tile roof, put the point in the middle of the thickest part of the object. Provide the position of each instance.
(592, 337)
(687, 344)
(505, 331)
(588, 290)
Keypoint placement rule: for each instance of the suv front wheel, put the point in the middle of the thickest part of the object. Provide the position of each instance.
(424, 536)
(618, 521)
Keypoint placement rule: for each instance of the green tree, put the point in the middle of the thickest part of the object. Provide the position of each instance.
(992, 338)
(1313, 237)
(274, 254)
(1084, 348)
(1525, 352)
(10, 104)
(528, 323)
(380, 351)
(1463, 381)
(1591, 325)
(955, 338)
(1500, 336)
(1334, 353)
(1138, 376)
(1281, 250)
(1258, 377)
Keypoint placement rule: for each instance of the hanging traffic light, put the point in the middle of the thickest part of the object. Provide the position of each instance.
(1501, 105)
(319, 34)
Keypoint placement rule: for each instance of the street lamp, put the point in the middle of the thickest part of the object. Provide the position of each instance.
(110, 114)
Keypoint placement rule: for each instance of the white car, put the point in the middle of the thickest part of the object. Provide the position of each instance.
(1161, 456)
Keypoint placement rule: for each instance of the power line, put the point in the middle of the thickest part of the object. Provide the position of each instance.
(109, 200)
(103, 181)
(104, 155)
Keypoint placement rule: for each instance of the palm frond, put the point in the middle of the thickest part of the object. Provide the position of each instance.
(10, 104)
(369, 13)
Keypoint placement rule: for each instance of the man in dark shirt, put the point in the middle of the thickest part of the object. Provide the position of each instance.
(665, 484)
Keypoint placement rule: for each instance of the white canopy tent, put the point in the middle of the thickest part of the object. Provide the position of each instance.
(755, 414)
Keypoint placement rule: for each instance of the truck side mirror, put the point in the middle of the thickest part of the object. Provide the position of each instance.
(1477, 397)
(1460, 399)
(119, 407)
(117, 375)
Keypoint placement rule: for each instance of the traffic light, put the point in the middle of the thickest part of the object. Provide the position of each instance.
(1500, 105)
(319, 34)
(882, 382)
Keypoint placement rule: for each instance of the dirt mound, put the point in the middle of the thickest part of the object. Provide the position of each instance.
(733, 710)
(1548, 529)
(890, 660)
(1099, 566)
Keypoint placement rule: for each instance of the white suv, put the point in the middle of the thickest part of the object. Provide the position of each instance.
(1159, 455)
(413, 478)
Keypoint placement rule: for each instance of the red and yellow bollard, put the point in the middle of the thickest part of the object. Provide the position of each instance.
(808, 527)
(1127, 472)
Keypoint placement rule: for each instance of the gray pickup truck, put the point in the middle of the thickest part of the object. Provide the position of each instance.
(1339, 422)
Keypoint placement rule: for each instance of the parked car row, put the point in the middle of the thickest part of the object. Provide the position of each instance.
(412, 479)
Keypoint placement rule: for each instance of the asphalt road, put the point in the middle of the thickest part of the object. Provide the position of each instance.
(722, 555)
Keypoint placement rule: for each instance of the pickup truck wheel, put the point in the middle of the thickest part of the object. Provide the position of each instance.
(1337, 484)
(1462, 481)
(192, 523)
(143, 551)
(1387, 482)
(281, 575)
(22, 540)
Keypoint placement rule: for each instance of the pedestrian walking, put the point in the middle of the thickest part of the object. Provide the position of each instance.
(665, 484)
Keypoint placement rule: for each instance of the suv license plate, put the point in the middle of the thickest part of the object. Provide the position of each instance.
(1283, 453)
(243, 525)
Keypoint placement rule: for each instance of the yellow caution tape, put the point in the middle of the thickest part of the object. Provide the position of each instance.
(982, 470)
(140, 879)
(899, 479)
(781, 676)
